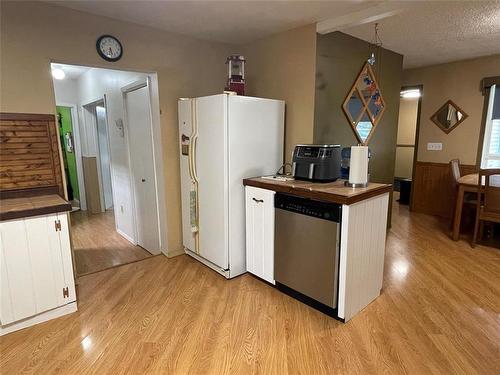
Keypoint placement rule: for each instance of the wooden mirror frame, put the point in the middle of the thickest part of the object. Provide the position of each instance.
(445, 105)
(374, 120)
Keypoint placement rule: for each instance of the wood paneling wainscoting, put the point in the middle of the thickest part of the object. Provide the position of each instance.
(433, 191)
(29, 152)
(92, 192)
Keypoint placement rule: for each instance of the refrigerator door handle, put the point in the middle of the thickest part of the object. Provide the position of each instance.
(190, 157)
(194, 145)
(194, 141)
(191, 152)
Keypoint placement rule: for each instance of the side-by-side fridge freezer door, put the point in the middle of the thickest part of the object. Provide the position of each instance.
(204, 175)
(211, 173)
(187, 183)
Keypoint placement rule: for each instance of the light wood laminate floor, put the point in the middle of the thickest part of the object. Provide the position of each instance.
(439, 313)
(98, 246)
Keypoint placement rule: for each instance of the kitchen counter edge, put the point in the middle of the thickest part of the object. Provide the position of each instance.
(308, 191)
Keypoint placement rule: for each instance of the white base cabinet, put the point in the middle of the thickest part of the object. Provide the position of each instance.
(260, 232)
(36, 268)
(362, 247)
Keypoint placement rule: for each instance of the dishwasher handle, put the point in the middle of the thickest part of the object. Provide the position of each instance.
(309, 207)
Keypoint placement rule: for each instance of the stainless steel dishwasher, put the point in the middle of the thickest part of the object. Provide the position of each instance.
(306, 254)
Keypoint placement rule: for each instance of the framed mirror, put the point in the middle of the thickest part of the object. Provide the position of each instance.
(364, 105)
(449, 116)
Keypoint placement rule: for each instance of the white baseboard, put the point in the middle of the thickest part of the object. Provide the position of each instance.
(175, 253)
(126, 236)
(40, 318)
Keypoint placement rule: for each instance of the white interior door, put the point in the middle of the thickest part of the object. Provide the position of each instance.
(104, 157)
(143, 171)
(211, 171)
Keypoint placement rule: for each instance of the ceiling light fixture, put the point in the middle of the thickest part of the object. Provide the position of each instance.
(410, 94)
(58, 73)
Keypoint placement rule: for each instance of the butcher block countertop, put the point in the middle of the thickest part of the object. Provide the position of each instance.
(26, 206)
(332, 192)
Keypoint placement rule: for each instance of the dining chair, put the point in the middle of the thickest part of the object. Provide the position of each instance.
(455, 170)
(487, 208)
(469, 199)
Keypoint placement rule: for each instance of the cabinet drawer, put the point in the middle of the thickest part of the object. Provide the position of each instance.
(260, 232)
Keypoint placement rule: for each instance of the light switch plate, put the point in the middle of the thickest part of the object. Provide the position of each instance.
(436, 146)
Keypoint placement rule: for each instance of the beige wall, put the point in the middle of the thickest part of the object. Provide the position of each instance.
(340, 58)
(33, 34)
(407, 126)
(283, 66)
(458, 81)
(407, 121)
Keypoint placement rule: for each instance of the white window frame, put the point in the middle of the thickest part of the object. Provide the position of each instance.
(486, 156)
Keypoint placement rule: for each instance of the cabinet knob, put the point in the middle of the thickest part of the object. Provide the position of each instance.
(258, 200)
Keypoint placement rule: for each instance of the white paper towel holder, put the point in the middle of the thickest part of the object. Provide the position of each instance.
(356, 185)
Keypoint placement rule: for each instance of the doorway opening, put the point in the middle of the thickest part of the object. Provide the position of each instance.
(407, 142)
(107, 126)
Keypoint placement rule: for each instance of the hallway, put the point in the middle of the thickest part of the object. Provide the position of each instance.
(98, 246)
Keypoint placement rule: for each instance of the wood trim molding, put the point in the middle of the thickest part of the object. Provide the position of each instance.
(487, 82)
(26, 117)
(36, 211)
(434, 118)
(417, 135)
(33, 192)
(353, 122)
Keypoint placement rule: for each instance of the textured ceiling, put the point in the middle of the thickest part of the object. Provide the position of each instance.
(425, 32)
(235, 21)
(437, 32)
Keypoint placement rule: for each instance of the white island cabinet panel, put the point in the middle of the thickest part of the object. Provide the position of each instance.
(362, 251)
(45, 258)
(260, 232)
(37, 274)
(17, 290)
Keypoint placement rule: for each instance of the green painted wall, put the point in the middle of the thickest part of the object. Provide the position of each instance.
(69, 157)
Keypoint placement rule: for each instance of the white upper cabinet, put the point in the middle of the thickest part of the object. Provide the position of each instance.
(260, 232)
(35, 265)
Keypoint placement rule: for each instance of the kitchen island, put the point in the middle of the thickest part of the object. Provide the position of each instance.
(37, 282)
(359, 241)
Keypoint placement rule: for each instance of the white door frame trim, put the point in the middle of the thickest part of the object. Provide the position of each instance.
(78, 151)
(152, 84)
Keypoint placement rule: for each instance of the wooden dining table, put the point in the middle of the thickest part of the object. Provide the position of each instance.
(467, 184)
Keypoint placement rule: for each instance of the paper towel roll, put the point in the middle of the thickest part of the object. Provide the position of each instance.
(358, 169)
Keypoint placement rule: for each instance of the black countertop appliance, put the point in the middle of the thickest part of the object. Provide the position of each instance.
(319, 163)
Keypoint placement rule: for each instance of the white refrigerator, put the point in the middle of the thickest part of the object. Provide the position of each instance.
(224, 139)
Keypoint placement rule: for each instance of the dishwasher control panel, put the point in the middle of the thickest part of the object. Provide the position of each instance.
(309, 207)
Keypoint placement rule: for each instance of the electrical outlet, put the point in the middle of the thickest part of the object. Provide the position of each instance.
(438, 146)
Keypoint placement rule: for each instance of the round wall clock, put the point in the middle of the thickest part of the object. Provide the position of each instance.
(109, 48)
